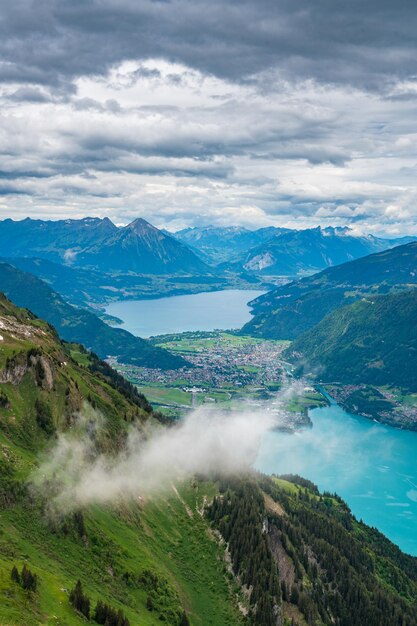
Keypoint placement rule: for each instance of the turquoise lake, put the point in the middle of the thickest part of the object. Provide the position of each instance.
(373, 467)
(213, 310)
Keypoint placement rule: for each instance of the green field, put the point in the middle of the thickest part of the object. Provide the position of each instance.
(200, 341)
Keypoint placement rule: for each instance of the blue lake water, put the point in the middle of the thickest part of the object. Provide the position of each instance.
(373, 467)
(200, 311)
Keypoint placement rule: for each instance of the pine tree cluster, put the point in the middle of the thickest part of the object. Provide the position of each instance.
(79, 600)
(26, 579)
(240, 515)
(103, 613)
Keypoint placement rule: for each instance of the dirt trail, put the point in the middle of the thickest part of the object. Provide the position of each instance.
(186, 507)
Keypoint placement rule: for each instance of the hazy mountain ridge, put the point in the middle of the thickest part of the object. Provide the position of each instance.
(98, 243)
(308, 251)
(221, 244)
(287, 311)
(79, 325)
(273, 251)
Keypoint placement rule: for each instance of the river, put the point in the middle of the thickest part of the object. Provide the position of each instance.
(212, 310)
(372, 466)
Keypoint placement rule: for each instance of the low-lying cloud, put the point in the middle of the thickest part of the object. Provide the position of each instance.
(206, 442)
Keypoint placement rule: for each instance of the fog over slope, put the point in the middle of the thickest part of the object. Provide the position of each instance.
(207, 441)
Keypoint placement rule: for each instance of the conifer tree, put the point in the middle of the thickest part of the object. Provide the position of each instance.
(15, 574)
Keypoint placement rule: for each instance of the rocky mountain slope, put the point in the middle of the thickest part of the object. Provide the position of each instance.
(300, 252)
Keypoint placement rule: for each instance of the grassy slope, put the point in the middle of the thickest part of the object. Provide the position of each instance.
(159, 536)
(371, 341)
(167, 536)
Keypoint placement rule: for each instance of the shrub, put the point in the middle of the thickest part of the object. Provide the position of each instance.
(44, 417)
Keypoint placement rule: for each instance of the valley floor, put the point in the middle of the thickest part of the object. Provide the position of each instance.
(227, 370)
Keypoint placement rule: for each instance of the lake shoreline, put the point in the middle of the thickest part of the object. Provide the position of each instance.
(204, 310)
(372, 466)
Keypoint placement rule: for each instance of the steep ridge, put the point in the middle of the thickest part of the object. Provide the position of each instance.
(93, 242)
(81, 326)
(152, 561)
(289, 310)
(373, 340)
(306, 251)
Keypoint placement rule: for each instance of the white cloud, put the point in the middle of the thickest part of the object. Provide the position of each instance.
(177, 146)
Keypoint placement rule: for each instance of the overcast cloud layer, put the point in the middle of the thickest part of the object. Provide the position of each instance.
(286, 112)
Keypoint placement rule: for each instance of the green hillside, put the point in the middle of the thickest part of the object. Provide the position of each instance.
(331, 569)
(258, 551)
(291, 309)
(122, 554)
(371, 341)
(79, 325)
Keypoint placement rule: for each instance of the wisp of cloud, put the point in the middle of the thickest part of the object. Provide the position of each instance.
(207, 441)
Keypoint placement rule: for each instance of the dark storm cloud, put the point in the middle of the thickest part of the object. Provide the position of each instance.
(365, 43)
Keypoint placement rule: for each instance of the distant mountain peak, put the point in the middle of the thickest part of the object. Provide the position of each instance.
(141, 226)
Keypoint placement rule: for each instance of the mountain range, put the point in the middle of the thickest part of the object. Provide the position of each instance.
(99, 244)
(221, 255)
(279, 251)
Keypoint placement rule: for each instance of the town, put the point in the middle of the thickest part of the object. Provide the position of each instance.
(224, 368)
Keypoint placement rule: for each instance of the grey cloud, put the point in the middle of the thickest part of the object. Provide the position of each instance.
(29, 94)
(366, 43)
(298, 110)
(9, 190)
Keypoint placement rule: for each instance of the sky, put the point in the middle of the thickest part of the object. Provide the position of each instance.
(190, 112)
